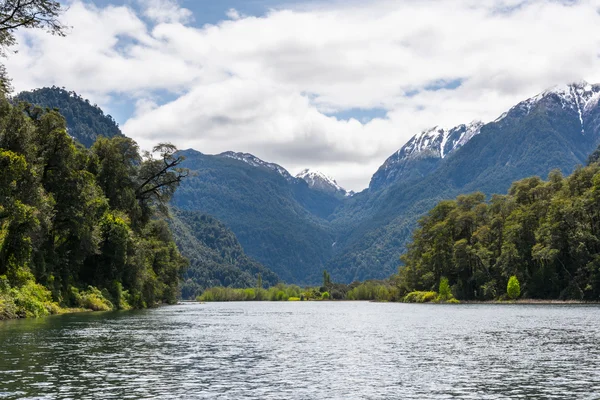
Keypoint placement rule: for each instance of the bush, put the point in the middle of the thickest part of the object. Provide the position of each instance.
(513, 289)
(92, 299)
(444, 290)
(8, 309)
(294, 299)
(32, 300)
(325, 296)
(420, 297)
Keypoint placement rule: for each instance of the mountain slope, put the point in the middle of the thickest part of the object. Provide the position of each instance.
(216, 257)
(557, 129)
(278, 219)
(317, 180)
(423, 153)
(85, 122)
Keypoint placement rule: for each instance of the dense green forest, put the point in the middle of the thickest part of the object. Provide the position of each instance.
(546, 233)
(216, 257)
(78, 227)
(85, 122)
(275, 220)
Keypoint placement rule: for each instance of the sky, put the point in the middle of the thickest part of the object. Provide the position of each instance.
(336, 86)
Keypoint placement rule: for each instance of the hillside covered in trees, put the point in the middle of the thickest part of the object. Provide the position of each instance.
(546, 233)
(85, 121)
(216, 257)
(82, 228)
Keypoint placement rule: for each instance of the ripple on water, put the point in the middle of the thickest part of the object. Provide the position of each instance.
(338, 350)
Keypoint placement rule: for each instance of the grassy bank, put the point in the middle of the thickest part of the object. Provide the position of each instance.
(32, 300)
(382, 291)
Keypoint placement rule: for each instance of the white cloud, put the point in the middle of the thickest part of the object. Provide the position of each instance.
(232, 13)
(263, 85)
(165, 11)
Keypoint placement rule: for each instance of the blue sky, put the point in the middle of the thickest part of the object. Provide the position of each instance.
(331, 85)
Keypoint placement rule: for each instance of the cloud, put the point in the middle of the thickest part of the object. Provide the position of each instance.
(165, 11)
(269, 85)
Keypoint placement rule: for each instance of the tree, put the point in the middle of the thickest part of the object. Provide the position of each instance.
(15, 14)
(37, 14)
(158, 179)
(259, 283)
(513, 289)
(444, 290)
(326, 279)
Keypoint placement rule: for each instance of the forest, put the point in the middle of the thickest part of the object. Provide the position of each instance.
(82, 228)
(546, 234)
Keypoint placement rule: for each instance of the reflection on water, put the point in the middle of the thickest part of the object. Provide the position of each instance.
(306, 350)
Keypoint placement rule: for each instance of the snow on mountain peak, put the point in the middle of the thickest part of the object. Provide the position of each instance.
(577, 96)
(257, 162)
(438, 142)
(320, 181)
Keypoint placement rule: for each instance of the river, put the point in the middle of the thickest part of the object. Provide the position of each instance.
(306, 350)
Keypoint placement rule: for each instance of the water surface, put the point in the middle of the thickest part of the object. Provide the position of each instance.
(306, 350)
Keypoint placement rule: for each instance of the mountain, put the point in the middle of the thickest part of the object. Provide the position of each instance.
(423, 153)
(298, 226)
(215, 255)
(317, 180)
(279, 220)
(556, 129)
(85, 122)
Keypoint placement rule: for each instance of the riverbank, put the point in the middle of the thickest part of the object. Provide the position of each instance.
(32, 300)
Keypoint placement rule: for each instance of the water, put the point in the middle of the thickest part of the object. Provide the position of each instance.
(306, 350)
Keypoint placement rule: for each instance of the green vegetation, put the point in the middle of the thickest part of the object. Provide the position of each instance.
(374, 227)
(420, 297)
(386, 290)
(82, 228)
(280, 223)
(216, 257)
(513, 289)
(85, 122)
(541, 240)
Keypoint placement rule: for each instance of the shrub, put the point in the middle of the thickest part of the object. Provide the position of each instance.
(444, 290)
(8, 309)
(92, 299)
(294, 299)
(325, 296)
(420, 297)
(33, 300)
(513, 289)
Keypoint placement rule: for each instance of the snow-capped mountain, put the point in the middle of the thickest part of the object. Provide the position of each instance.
(580, 98)
(319, 181)
(422, 152)
(257, 162)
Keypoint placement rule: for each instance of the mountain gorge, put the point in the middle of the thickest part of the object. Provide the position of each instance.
(297, 226)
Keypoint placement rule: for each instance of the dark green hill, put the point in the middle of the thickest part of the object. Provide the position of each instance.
(216, 257)
(85, 121)
(276, 217)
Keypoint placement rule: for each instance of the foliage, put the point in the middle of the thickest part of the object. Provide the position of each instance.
(513, 289)
(73, 218)
(444, 290)
(420, 297)
(280, 223)
(40, 14)
(374, 227)
(216, 257)
(370, 290)
(92, 299)
(86, 122)
(542, 239)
